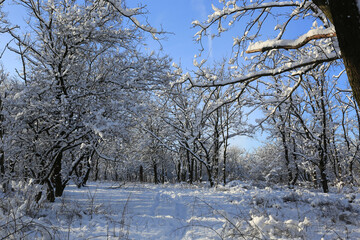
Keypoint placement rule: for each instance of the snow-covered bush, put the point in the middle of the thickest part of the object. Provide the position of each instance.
(19, 207)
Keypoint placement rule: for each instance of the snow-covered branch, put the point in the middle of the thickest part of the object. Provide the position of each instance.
(130, 14)
(252, 76)
(291, 44)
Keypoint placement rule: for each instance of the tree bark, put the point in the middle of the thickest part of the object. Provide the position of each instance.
(345, 16)
(57, 179)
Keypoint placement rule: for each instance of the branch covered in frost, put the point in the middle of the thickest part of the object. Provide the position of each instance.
(238, 12)
(318, 45)
(252, 76)
(130, 14)
(291, 44)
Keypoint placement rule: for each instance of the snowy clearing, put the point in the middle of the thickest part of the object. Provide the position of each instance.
(237, 211)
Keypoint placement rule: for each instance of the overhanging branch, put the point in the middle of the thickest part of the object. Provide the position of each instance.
(291, 44)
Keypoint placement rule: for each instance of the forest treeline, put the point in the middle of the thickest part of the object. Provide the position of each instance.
(90, 104)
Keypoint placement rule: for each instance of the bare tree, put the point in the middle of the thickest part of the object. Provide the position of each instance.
(334, 30)
(82, 74)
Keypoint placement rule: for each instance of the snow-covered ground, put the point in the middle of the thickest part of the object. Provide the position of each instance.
(237, 211)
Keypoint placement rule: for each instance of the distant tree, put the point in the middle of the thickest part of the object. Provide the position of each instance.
(204, 120)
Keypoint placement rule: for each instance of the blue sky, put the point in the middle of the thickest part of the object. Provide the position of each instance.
(174, 17)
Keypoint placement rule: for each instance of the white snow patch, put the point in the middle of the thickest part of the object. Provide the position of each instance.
(237, 211)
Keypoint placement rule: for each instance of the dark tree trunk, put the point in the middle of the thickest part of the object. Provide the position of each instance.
(192, 162)
(141, 173)
(178, 173)
(56, 176)
(50, 195)
(2, 164)
(345, 16)
(295, 162)
(156, 180)
(200, 173)
(287, 158)
(162, 174)
(225, 162)
(89, 168)
(188, 161)
(324, 148)
(315, 178)
(324, 181)
(105, 171)
(87, 174)
(196, 171)
(216, 149)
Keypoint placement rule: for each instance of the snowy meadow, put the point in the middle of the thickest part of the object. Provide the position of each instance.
(109, 210)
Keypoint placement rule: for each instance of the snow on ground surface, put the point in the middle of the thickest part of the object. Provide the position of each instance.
(237, 211)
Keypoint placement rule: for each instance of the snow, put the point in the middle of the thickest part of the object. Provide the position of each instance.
(179, 211)
(275, 43)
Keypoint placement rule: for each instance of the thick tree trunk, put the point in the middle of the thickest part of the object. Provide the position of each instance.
(89, 168)
(57, 179)
(323, 178)
(345, 16)
(50, 195)
(210, 177)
